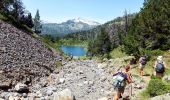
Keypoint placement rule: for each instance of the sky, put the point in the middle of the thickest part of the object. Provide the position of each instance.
(57, 11)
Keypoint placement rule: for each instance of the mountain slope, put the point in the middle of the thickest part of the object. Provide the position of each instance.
(23, 57)
(67, 27)
(112, 27)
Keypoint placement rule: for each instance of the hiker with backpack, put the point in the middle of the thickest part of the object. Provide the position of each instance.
(120, 80)
(159, 66)
(142, 63)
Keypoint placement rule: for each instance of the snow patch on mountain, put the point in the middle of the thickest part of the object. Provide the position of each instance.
(89, 22)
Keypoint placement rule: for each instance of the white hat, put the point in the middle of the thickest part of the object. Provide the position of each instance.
(160, 58)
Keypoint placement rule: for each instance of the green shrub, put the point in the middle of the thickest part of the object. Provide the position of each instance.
(154, 52)
(157, 87)
(117, 53)
(58, 63)
(167, 72)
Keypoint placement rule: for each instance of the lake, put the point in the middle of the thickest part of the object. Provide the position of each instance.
(74, 50)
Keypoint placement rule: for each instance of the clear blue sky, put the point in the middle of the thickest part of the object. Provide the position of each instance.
(97, 10)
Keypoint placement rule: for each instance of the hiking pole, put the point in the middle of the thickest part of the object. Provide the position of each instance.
(130, 89)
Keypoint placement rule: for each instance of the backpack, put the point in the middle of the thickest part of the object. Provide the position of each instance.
(160, 68)
(143, 60)
(119, 80)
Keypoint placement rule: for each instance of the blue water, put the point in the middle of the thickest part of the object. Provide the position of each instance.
(74, 50)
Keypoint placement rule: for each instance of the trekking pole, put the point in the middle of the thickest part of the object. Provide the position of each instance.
(130, 89)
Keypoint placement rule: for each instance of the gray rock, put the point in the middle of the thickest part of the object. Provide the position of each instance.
(80, 72)
(103, 79)
(22, 88)
(61, 80)
(24, 95)
(91, 83)
(104, 98)
(64, 95)
(49, 92)
(6, 85)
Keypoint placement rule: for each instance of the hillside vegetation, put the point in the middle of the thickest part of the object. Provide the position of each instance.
(147, 32)
(150, 30)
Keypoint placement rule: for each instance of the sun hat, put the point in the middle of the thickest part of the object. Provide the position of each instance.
(160, 58)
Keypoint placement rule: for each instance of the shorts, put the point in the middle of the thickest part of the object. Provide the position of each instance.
(141, 66)
(120, 89)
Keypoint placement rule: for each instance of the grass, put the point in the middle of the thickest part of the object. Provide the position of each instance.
(117, 53)
(72, 42)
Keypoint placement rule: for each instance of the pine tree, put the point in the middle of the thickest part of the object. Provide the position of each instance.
(101, 45)
(29, 23)
(37, 23)
(18, 10)
(150, 29)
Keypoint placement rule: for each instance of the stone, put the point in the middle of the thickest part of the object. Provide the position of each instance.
(22, 98)
(104, 98)
(5, 85)
(42, 98)
(80, 84)
(31, 97)
(61, 80)
(24, 95)
(21, 88)
(80, 72)
(103, 79)
(11, 98)
(64, 95)
(166, 78)
(86, 82)
(47, 98)
(91, 82)
(49, 92)
(38, 94)
(138, 86)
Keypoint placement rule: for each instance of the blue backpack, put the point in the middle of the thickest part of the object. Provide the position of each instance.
(160, 68)
(119, 80)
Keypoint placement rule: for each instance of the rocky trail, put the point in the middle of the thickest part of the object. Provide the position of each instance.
(79, 80)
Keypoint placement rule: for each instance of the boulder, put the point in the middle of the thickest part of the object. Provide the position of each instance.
(5, 85)
(21, 88)
(64, 95)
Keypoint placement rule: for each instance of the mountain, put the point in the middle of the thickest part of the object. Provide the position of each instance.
(70, 26)
(112, 27)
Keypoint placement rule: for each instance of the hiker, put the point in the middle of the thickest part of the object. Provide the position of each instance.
(142, 63)
(121, 78)
(159, 66)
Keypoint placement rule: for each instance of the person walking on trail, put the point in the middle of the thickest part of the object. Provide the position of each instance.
(160, 66)
(119, 81)
(142, 63)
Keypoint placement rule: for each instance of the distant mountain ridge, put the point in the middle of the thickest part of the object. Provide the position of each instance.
(70, 26)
